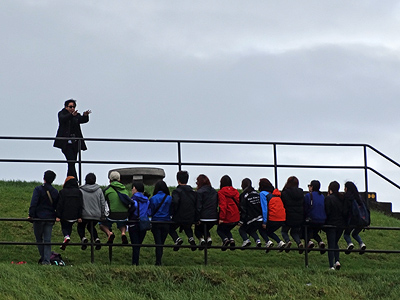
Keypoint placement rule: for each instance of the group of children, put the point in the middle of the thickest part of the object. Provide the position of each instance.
(257, 213)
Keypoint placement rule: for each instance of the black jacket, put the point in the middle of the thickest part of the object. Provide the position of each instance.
(207, 203)
(183, 205)
(69, 126)
(70, 202)
(293, 200)
(336, 211)
(250, 206)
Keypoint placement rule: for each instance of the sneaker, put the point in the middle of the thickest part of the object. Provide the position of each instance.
(322, 247)
(97, 242)
(349, 248)
(178, 242)
(209, 242)
(65, 242)
(268, 245)
(225, 244)
(124, 239)
(301, 248)
(287, 246)
(362, 248)
(337, 265)
(246, 243)
(232, 244)
(258, 243)
(310, 245)
(193, 243)
(84, 241)
(202, 244)
(282, 245)
(332, 268)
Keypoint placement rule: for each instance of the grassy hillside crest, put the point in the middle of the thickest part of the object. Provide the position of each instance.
(249, 274)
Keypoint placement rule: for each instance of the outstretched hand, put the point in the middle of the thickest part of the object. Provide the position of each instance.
(87, 112)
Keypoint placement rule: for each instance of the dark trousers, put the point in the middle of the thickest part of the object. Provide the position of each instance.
(333, 236)
(71, 153)
(160, 233)
(224, 230)
(89, 224)
(66, 227)
(250, 229)
(137, 236)
(187, 228)
(294, 232)
(313, 232)
(202, 230)
(269, 231)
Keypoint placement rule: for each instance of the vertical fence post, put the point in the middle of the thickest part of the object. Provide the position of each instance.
(80, 161)
(366, 175)
(205, 248)
(275, 166)
(305, 245)
(179, 157)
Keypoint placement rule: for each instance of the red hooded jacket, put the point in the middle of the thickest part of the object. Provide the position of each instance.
(228, 199)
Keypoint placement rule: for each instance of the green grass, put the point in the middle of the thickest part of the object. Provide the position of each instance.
(248, 274)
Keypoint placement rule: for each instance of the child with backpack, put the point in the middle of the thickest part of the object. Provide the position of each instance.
(358, 217)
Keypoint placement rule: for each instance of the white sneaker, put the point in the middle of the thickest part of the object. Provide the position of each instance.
(268, 245)
(281, 245)
(337, 265)
(209, 242)
(258, 243)
(362, 248)
(349, 248)
(246, 243)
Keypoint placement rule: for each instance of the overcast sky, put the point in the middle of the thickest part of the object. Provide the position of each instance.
(306, 71)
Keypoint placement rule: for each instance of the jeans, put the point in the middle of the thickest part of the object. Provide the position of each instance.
(250, 229)
(89, 224)
(354, 233)
(333, 236)
(42, 231)
(224, 230)
(160, 233)
(137, 236)
(294, 232)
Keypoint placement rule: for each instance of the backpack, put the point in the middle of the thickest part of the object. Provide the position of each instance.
(56, 259)
(360, 214)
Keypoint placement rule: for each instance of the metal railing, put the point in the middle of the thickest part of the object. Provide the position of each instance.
(180, 163)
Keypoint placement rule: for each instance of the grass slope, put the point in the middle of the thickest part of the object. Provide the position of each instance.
(248, 274)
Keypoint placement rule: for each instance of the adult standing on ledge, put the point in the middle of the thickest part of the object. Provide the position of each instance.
(69, 121)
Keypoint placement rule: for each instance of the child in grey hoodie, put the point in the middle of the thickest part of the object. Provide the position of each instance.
(93, 210)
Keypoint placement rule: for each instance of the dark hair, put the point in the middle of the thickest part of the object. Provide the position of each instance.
(161, 186)
(246, 183)
(352, 191)
(292, 182)
(49, 176)
(334, 186)
(315, 185)
(202, 180)
(225, 181)
(67, 102)
(265, 185)
(182, 177)
(138, 185)
(90, 178)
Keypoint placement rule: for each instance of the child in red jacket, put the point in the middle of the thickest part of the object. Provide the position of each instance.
(229, 216)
